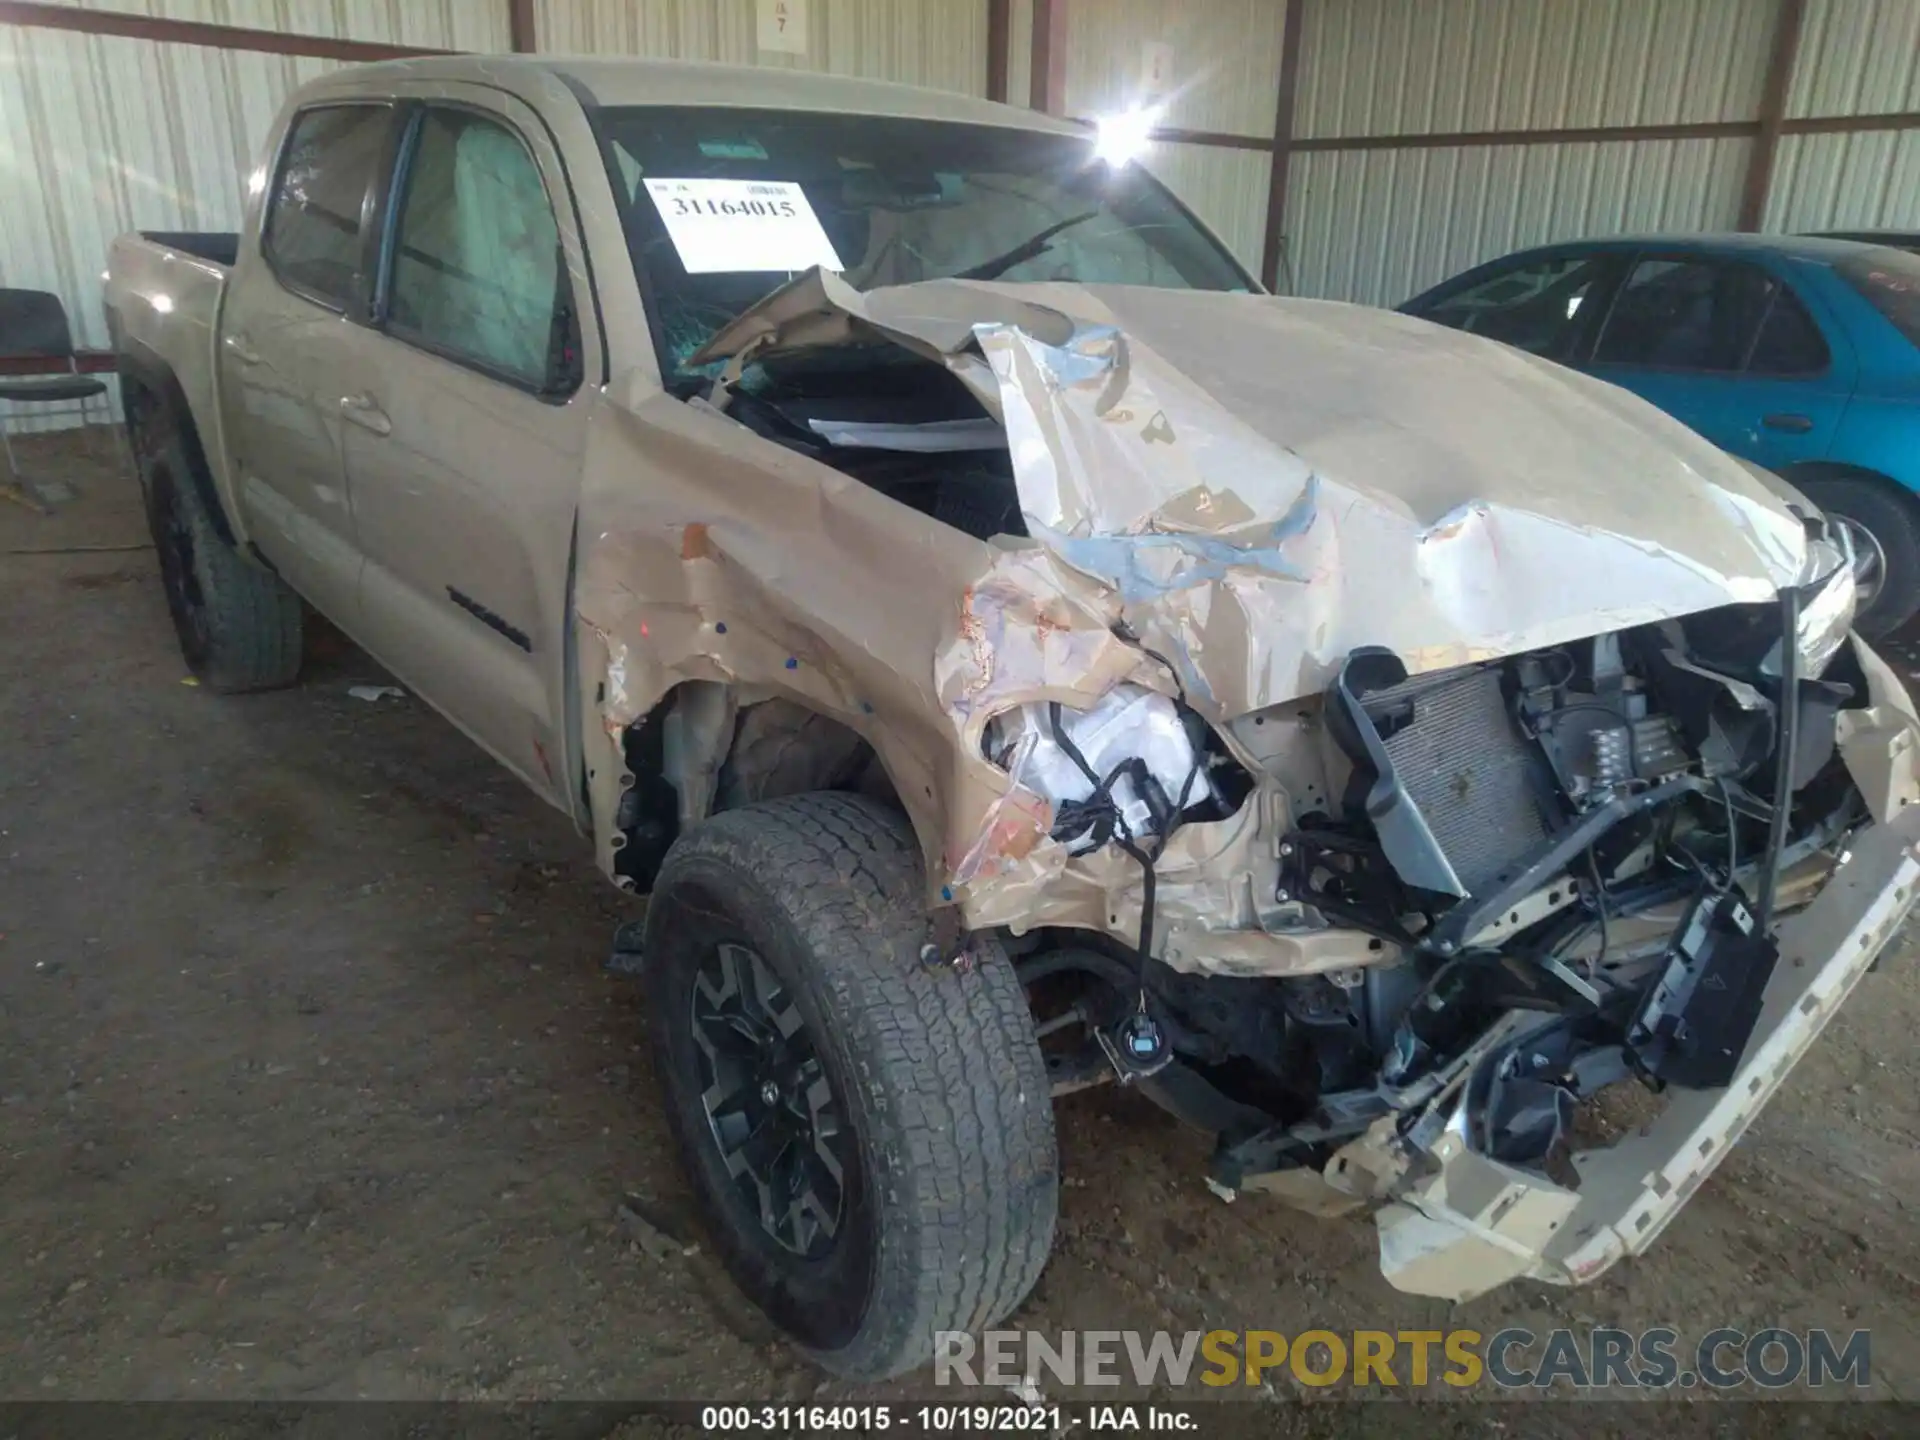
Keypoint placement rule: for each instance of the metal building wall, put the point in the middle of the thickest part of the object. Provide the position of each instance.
(1379, 225)
(1390, 67)
(101, 134)
(429, 24)
(941, 44)
(1226, 188)
(1224, 68)
(1857, 57)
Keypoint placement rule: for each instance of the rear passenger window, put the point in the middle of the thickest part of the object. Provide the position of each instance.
(312, 231)
(1711, 315)
(1789, 343)
(477, 272)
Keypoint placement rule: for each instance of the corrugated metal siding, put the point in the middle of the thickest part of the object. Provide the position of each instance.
(101, 134)
(1226, 188)
(941, 44)
(1869, 180)
(1380, 226)
(1857, 57)
(1225, 58)
(431, 24)
(1395, 67)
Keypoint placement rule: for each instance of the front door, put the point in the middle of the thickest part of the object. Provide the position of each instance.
(289, 346)
(466, 427)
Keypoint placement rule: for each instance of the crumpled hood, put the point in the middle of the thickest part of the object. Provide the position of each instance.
(1264, 485)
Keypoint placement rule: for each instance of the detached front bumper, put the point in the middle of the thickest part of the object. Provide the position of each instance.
(1473, 1224)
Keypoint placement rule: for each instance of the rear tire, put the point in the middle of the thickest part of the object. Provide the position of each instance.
(942, 1135)
(1893, 524)
(238, 624)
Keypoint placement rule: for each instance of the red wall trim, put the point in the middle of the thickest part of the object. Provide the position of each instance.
(522, 32)
(999, 38)
(1273, 250)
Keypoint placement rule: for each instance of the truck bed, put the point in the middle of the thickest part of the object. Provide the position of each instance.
(222, 247)
(165, 293)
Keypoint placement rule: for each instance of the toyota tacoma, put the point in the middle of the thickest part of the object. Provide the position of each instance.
(1014, 654)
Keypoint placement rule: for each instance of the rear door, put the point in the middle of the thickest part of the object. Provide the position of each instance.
(465, 422)
(1728, 347)
(289, 347)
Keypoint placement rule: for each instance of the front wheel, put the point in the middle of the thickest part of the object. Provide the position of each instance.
(1886, 544)
(871, 1138)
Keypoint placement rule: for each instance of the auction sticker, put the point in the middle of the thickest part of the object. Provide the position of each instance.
(728, 225)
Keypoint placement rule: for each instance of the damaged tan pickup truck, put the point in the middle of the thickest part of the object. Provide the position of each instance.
(1013, 654)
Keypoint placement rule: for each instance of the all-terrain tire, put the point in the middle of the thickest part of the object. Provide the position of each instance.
(1893, 524)
(949, 1213)
(239, 624)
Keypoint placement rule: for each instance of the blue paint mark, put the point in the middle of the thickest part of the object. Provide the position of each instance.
(721, 628)
(946, 892)
(792, 664)
(1186, 561)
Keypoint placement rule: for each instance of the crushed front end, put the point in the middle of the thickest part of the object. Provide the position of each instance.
(1413, 762)
(1512, 950)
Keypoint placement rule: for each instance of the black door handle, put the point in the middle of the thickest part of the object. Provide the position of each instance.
(1793, 424)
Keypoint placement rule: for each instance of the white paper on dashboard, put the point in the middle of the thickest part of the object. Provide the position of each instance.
(734, 225)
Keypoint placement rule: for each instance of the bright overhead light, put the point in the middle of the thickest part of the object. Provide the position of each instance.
(1122, 138)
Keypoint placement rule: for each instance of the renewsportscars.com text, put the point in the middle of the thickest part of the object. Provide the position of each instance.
(1510, 1359)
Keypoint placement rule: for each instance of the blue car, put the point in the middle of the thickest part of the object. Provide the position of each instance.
(1801, 354)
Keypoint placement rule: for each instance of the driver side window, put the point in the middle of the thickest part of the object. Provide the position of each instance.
(1541, 307)
(478, 273)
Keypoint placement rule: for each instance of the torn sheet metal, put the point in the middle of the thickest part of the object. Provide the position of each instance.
(1246, 489)
(1267, 485)
(1464, 1224)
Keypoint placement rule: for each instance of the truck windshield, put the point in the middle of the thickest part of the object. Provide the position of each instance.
(1890, 281)
(719, 206)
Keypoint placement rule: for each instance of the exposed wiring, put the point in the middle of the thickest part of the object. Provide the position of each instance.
(1125, 632)
(1108, 823)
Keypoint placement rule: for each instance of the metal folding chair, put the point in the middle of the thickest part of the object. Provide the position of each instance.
(33, 324)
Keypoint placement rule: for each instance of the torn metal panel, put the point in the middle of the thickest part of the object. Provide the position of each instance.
(1244, 489)
(1881, 743)
(1266, 485)
(1470, 1225)
(682, 578)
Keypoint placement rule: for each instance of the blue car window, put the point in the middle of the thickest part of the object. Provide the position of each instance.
(1686, 314)
(1536, 307)
(1789, 343)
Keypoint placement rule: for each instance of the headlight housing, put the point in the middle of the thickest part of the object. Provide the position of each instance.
(1826, 608)
(1128, 760)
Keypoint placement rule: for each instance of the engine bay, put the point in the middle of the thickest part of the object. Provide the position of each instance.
(901, 425)
(1568, 861)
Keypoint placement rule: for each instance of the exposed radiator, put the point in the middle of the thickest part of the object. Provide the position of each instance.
(1465, 766)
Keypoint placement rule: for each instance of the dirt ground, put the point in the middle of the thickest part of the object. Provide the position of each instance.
(313, 1084)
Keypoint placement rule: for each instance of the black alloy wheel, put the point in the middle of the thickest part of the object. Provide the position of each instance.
(769, 1105)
